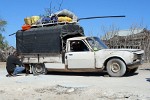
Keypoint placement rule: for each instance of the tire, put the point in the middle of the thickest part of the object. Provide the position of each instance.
(38, 69)
(116, 67)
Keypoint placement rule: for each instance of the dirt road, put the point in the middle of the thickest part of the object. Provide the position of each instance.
(76, 86)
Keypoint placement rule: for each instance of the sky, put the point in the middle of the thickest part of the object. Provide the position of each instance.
(136, 12)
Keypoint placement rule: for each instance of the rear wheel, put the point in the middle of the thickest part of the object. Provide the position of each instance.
(116, 67)
(38, 69)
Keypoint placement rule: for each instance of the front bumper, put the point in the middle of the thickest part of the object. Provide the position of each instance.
(135, 64)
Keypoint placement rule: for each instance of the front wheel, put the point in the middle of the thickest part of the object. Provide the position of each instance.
(116, 67)
(38, 69)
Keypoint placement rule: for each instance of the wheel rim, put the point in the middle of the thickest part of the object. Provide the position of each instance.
(39, 68)
(115, 67)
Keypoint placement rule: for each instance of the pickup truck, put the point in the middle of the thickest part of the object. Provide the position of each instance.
(68, 50)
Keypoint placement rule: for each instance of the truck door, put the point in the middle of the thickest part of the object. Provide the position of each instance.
(79, 56)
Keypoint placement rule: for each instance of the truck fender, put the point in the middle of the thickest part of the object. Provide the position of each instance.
(114, 57)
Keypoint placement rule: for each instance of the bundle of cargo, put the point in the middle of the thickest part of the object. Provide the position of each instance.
(66, 16)
(30, 21)
(47, 19)
(64, 19)
(27, 20)
(26, 27)
(56, 18)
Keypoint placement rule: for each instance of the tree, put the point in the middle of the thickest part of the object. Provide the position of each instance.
(53, 8)
(110, 35)
(3, 42)
(137, 37)
(2, 25)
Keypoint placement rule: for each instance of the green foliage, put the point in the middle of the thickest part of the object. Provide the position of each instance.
(3, 42)
(2, 25)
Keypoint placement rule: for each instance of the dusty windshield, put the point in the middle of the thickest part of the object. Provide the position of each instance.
(96, 43)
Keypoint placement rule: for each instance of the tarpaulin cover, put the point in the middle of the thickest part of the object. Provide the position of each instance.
(46, 39)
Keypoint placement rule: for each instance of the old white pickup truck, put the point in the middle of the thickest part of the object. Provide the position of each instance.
(77, 54)
(93, 55)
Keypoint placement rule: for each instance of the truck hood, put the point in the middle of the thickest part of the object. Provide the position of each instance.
(137, 51)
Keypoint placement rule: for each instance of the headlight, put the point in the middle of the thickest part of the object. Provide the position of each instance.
(135, 57)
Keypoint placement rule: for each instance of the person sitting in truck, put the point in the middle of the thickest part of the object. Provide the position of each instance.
(77, 46)
(14, 65)
(73, 46)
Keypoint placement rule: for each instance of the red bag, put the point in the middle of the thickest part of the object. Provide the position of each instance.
(26, 27)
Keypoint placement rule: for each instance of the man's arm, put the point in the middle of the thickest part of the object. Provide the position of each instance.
(18, 62)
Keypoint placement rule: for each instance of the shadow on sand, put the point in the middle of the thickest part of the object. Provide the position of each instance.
(87, 74)
(148, 79)
(147, 69)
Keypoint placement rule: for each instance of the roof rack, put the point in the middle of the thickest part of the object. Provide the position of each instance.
(51, 24)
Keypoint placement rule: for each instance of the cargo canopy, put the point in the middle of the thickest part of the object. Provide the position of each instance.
(46, 39)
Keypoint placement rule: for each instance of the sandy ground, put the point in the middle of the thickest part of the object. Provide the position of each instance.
(76, 86)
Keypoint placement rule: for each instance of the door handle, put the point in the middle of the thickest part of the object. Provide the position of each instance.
(70, 54)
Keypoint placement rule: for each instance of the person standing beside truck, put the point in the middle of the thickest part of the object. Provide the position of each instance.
(14, 65)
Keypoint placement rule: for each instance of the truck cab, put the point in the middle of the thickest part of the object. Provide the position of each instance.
(91, 54)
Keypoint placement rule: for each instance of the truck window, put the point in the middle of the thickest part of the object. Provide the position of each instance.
(77, 46)
(96, 43)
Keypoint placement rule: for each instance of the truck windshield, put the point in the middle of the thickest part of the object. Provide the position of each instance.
(96, 43)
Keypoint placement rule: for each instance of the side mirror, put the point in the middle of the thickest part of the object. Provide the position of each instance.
(95, 49)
